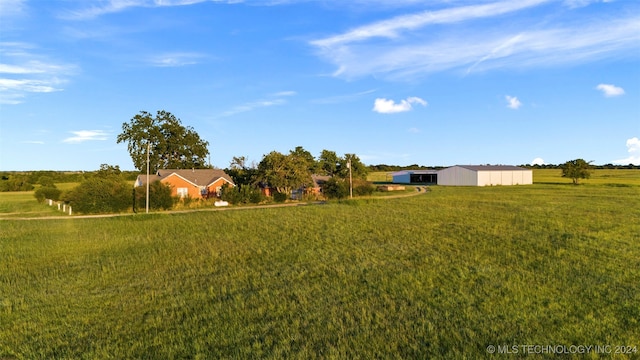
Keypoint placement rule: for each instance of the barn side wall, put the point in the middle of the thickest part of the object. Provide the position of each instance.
(457, 176)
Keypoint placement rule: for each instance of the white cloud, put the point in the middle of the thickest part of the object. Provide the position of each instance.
(175, 59)
(285, 93)
(393, 27)
(115, 6)
(413, 45)
(26, 86)
(11, 8)
(610, 90)
(86, 135)
(338, 99)
(582, 3)
(250, 106)
(414, 130)
(386, 106)
(537, 161)
(513, 101)
(23, 71)
(633, 147)
(37, 142)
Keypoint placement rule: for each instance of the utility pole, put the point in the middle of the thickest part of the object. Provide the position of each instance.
(148, 149)
(350, 179)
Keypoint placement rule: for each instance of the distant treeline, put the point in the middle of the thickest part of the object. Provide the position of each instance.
(27, 180)
(384, 167)
(605, 166)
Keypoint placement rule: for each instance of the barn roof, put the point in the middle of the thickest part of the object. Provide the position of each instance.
(492, 167)
(416, 172)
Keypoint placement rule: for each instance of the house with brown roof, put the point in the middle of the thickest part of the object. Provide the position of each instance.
(194, 183)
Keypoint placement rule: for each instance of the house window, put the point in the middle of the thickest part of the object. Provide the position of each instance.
(182, 192)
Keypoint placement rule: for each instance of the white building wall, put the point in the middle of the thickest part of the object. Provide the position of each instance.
(517, 177)
(506, 177)
(457, 176)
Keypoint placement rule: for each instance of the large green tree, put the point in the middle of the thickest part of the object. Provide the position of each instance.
(328, 162)
(284, 172)
(577, 169)
(172, 145)
(242, 173)
(358, 169)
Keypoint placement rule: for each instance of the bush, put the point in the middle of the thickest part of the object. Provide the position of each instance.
(159, 196)
(97, 195)
(16, 183)
(280, 197)
(335, 189)
(363, 188)
(244, 194)
(47, 192)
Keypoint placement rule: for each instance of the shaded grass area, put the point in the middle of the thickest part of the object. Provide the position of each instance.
(442, 275)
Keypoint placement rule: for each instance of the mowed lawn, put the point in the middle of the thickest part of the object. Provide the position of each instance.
(440, 275)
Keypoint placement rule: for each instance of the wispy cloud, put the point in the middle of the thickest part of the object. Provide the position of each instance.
(610, 90)
(386, 106)
(633, 148)
(9, 8)
(392, 28)
(86, 135)
(85, 12)
(176, 59)
(36, 142)
(23, 71)
(513, 102)
(339, 99)
(276, 99)
(285, 93)
(456, 39)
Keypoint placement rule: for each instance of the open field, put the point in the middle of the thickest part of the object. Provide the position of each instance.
(440, 275)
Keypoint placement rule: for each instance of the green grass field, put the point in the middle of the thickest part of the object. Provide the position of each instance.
(440, 275)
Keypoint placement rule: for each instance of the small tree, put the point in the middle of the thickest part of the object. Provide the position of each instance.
(108, 194)
(577, 169)
(335, 188)
(47, 192)
(104, 192)
(159, 196)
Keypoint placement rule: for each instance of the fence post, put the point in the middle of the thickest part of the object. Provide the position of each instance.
(69, 209)
(58, 206)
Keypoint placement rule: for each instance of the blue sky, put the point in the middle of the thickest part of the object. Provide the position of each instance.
(439, 82)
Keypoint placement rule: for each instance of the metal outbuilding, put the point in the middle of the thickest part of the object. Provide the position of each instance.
(485, 175)
(415, 177)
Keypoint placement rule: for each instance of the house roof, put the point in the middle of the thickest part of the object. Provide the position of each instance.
(198, 177)
(492, 167)
(318, 180)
